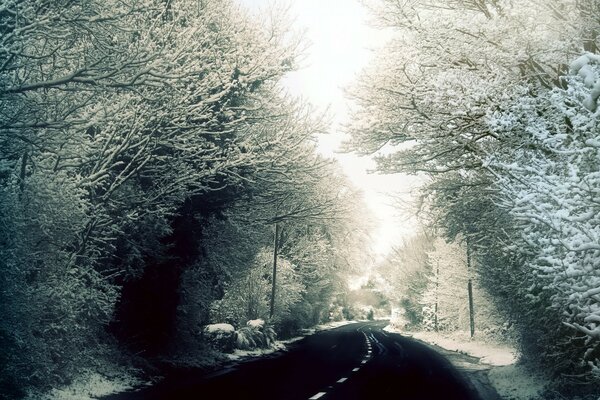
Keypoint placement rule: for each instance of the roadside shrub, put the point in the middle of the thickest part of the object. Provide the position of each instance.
(256, 334)
(220, 336)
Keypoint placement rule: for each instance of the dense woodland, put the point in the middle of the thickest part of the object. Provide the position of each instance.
(495, 104)
(150, 165)
(154, 174)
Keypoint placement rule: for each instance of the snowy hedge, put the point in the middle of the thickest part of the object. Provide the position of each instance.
(551, 186)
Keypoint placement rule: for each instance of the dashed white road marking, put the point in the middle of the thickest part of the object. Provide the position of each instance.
(355, 369)
(342, 380)
(317, 396)
(363, 362)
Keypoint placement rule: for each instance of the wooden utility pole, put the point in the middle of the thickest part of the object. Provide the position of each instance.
(470, 291)
(274, 283)
(437, 288)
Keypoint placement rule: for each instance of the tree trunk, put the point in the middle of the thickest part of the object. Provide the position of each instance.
(23, 173)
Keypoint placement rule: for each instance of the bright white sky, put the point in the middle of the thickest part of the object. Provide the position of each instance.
(341, 45)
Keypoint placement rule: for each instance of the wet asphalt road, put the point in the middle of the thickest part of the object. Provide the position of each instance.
(356, 361)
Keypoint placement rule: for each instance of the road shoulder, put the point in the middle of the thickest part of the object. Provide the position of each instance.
(492, 370)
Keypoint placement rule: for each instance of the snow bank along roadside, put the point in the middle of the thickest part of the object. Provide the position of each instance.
(238, 354)
(511, 380)
(493, 354)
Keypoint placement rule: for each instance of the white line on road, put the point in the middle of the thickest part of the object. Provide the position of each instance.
(317, 396)
(363, 362)
(342, 380)
(355, 369)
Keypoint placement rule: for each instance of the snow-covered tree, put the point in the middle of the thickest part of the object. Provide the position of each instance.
(247, 298)
(427, 95)
(113, 115)
(446, 298)
(462, 94)
(406, 271)
(550, 184)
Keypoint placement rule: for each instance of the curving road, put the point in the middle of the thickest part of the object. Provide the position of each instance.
(356, 361)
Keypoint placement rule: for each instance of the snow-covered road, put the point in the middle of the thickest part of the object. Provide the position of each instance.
(356, 361)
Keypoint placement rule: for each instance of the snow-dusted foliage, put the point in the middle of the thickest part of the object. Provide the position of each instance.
(406, 271)
(221, 336)
(446, 300)
(114, 116)
(551, 186)
(256, 334)
(247, 298)
(496, 101)
(315, 210)
(431, 87)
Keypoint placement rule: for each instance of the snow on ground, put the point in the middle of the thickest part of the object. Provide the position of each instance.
(90, 385)
(511, 380)
(243, 354)
(281, 344)
(514, 382)
(324, 327)
(489, 353)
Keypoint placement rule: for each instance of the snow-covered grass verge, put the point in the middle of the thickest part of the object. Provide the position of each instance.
(515, 382)
(488, 351)
(511, 380)
(90, 385)
(239, 354)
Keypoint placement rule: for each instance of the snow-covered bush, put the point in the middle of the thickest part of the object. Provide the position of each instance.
(336, 313)
(256, 334)
(220, 336)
